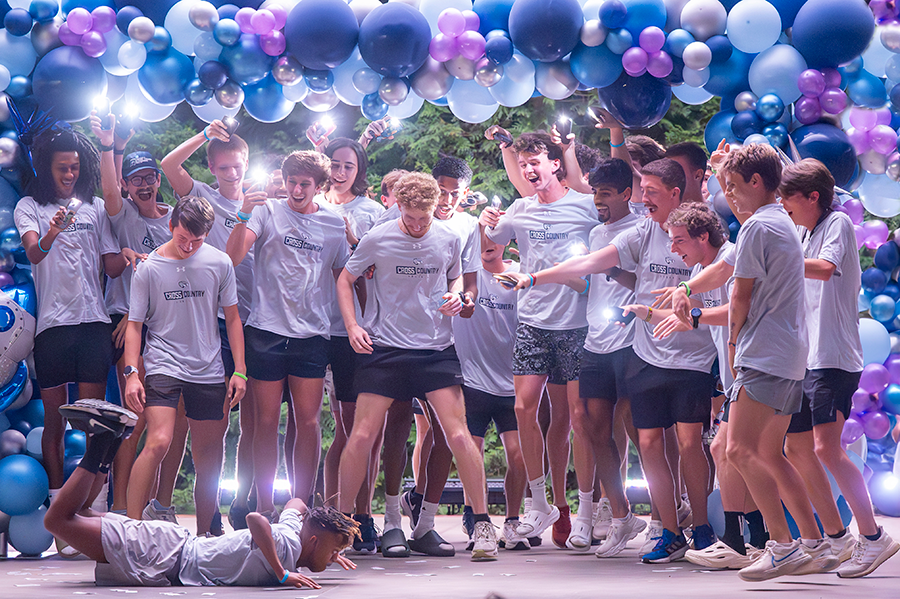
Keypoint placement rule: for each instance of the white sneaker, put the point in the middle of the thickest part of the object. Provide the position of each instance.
(868, 555)
(621, 530)
(512, 540)
(778, 559)
(485, 548)
(651, 537)
(580, 537)
(157, 511)
(685, 513)
(843, 546)
(823, 558)
(720, 556)
(603, 520)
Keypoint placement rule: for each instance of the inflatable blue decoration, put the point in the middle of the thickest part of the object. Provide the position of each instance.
(394, 39)
(321, 34)
(637, 102)
(545, 30)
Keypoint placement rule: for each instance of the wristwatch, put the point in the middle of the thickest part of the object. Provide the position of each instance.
(696, 313)
(129, 370)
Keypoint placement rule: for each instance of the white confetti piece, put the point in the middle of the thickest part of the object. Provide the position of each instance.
(478, 574)
(417, 561)
(504, 574)
(377, 568)
(28, 585)
(83, 593)
(451, 567)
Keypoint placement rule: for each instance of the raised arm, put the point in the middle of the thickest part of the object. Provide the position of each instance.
(109, 181)
(595, 262)
(173, 164)
(510, 161)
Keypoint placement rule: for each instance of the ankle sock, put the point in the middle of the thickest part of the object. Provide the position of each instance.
(734, 533)
(481, 518)
(538, 488)
(426, 519)
(758, 533)
(516, 519)
(392, 516)
(585, 506)
(838, 534)
(810, 543)
(876, 536)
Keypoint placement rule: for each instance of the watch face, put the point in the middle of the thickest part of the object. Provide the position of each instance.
(695, 312)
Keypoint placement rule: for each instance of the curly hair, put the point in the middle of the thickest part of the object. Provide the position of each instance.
(418, 191)
(306, 162)
(454, 168)
(698, 219)
(538, 143)
(361, 183)
(390, 179)
(755, 158)
(43, 186)
(328, 519)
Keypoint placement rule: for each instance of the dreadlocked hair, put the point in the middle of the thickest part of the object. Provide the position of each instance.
(328, 519)
(42, 187)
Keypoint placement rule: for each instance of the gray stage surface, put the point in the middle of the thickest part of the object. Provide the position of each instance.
(538, 573)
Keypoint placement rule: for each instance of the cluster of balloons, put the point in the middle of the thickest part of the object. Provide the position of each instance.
(822, 94)
(760, 118)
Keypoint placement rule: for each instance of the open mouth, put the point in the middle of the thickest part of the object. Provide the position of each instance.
(651, 208)
(444, 212)
(534, 179)
(144, 195)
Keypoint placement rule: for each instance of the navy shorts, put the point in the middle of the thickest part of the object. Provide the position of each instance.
(826, 392)
(660, 397)
(402, 374)
(342, 359)
(274, 357)
(79, 353)
(482, 408)
(603, 375)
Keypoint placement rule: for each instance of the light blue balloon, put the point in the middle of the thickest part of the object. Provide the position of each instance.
(17, 54)
(876, 343)
(27, 533)
(517, 84)
(213, 110)
(776, 71)
(343, 79)
(691, 95)
(470, 102)
(110, 59)
(677, 41)
(408, 107)
(619, 40)
(864, 301)
(876, 55)
(753, 26)
(880, 195)
(882, 308)
(178, 23)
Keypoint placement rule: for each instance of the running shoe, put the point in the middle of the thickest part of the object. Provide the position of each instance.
(621, 530)
(843, 546)
(603, 520)
(685, 513)
(669, 548)
(95, 416)
(823, 558)
(411, 506)
(651, 537)
(365, 542)
(703, 536)
(510, 539)
(485, 548)
(535, 522)
(868, 555)
(157, 511)
(778, 559)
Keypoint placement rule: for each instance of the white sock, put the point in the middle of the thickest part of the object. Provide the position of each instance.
(585, 505)
(526, 505)
(53, 493)
(101, 502)
(539, 495)
(810, 543)
(426, 519)
(392, 517)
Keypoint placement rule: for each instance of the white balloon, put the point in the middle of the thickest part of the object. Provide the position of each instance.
(343, 79)
(296, 92)
(517, 84)
(697, 55)
(876, 55)
(110, 59)
(691, 95)
(704, 18)
(5, 78)
(695, 77)
(149, 111)
(410, 106)
(212, 110)
(673, 13)
(470, 102)
(321, 101)
(178, 23)
(591, 9)
(132, 55)
(593, 33)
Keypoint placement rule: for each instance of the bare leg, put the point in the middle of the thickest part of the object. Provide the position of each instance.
(440, 460)
(267, 399)
(696, 469)
(558, 437)
(68, 521)
(160, 428)
(208, 451)
(735, 496)
(171, 464)
(659, 475)
(244, 469)
(421, 451)
(528, 396)
(396, 432)
(307, 402)
(583, 432)
(800, 450)
(54, 432)
(333, 455)
(600, 418)
(369, 419)
(515, 481)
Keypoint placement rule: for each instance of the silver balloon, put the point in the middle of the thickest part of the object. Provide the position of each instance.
(431, 81)
(704, 18)
(487, 72)
(873, 162)
(141, 29)
(745, 101)
(366, 81)
(393, 90)
(230, 95)
(895, 342)
(673, 13)
(893, 167)
(8, 151)
(203, 16)
(461, 68)
(45, 36)
(555, 80)
(593, 33)
(321, 101)
(4, 108)
(890, 36)
(287, 70)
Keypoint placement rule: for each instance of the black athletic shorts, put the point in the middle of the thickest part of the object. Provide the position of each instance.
(603, 375)
(826, 392)
(79, 353)
(201, 401)
(342, 359)
(273, 357)
(117, 352)
(660, 397)
(482, 407)
(227, 358)
(402, 374)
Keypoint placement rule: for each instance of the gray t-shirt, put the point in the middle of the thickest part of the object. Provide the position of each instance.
(296, 254)
(466, 226)
(178, 301)
(605, 337)
(141, 234)
(644, 250)
(832, 315)
(67, 280)
(226, 210)
(410, 279)
(773, 340)
(719, 297)
(484, 343)
(392, 213)
(547, 234)
(235, 560)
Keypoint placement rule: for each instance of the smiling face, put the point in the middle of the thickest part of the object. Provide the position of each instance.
(743, 194)
(803, 209)
(344, 168)
(538, 170)
(453, 191)
(65, 168)
(301, 191)
(690, 249)
(142, 186)
(229, 168)
(184, 243)
(415, 221)
(275, 185)
(657, 198)
(611, 205)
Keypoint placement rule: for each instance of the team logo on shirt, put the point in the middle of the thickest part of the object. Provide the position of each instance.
(493, 303)
(546, 234)
(230, 222)
(183, 293)
(711, 303)
(416, 269)
(665, 269)
(302, 244)
(78, 227)
(149, 243)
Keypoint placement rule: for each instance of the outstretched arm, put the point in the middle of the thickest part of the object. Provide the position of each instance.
(261, 532)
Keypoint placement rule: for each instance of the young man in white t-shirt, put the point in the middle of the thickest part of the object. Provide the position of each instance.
(406, 348)
(552, 225)
(767, 354)
(177, 292)
(833, 367)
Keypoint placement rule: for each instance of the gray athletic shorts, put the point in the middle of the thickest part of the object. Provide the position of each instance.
(782, 395)
(140, 552)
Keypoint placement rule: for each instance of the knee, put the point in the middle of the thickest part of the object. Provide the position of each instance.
(156, 445)
(526, 414)
(738, 454)
(718, 451)
(651, 444)
(830, 456)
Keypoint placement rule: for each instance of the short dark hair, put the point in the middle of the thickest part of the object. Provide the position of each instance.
(807, 176)
(216, 147)
(755, 158)
(194, 214)
(612, 172)
(455, 168)
(361, 183)
(306, 162)
(698, 218)
(694, 153)
(43, 187)
(669, 172)
(643, 149)
(540, 142)
(587, 157)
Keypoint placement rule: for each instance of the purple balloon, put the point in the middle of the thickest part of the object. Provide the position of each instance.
(451, 22)
(876, 233)
(243, 17)
(443, 47)
(807, 110)
(262, 22)
(874, 379)
(659, 64)
(859, 139)
(280, 13)
(856, 212)
(833, 100)
(79, 20)
(104, 18)
(893, 366)
(473, 21)
(832, 77)
(634, 61)
(862, 400)
(273, 43)
(876, 424)
(811, 83)
(6, 279)
(883, 116)
(652, 40)
(863, 118)
(882, 139)
(93, 44)
(860, 236)
(853, 430)
(67, 37)
(471, 45)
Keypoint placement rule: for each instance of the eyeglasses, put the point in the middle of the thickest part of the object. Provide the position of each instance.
(138, 180)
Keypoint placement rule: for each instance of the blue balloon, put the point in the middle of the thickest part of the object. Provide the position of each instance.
(75, 442)
(165, 75)
(212, 74)
(545, 30)
(613, 14)
(644, 13)
(867, 90)
(829, 33)
(769, 107)
(597, 66)
(265, 101)
(746, 123)
(719, 128)
(23, 485)
(246, 62)
(32, 413)
(499, 48)
(777, 134)
(894, 97)
(227, 32)
(829, 145)
(318, 81)
(637, 102)
(153, 9)
(321, 34)
(161, 40)
(44, 10)
(492, 14)
(197, 94)
(227, 11)
(892, 290)
(27, 533)
(721, 48)
(394, 39)
(677, 41)
(619, 40)
(374, 108)
(787, 10)
(890, 399)
(887, 257)
(66, 81)
(125, 16)
(70, 463)
(18, 22)
(730, 77)
(882, 308)
(19, 87)
(874, 280)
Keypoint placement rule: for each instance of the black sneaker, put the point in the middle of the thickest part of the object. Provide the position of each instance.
(365, 542)
(237, 516)
(215, 527)
(411, 505)
(95, 416)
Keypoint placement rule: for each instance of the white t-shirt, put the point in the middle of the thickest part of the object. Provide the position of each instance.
(141, 234)
(773, 340)
(484, 343)
(832, 314)
(719, 297)
(178, 300)
(605, 337)
(392, 213)
(466, 226)
(547, 234)
(296, 254)
(235, 560)
(644, 250)
(67, 280)
(226, 211)
(410, 279)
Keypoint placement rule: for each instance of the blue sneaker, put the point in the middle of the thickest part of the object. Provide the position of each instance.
(670, 547)
(703, 537)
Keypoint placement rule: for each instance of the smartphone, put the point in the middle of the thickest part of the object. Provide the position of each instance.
(564, 126)
(126, 122)
(231, 125)
(616, 316)
(101, 105)
(71, 209)
(502, 137)
(393, 127)
(506, 280)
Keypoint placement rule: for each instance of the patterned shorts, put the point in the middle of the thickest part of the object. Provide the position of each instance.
(554, 353)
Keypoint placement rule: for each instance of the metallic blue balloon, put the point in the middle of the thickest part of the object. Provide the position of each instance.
(161, 40)
(373, 107)
(720, 47)
(499, 48)
(213, 74)
(829, 145)
(165, 76)
(769, 108)
(777, 134)
(613, 14)
(746, 123)
(125, 16)
(43, 10)
(198, 94)
(19, 87)
(227, 32)
(318, 81)
(619, 40)
(246, 62)
(874, 280)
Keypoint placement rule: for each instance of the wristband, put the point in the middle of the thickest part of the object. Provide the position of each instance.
(649, 315)
(243, 216)
(108, 148)
(612, 145)
(39, 245)
(587, 287)
(730, 344)
(687, 288)
(244, 376)
(531, 276)
(285, 577)
(118, 152)
(205, 135)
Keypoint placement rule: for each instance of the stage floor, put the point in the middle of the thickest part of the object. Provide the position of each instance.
(538, 573)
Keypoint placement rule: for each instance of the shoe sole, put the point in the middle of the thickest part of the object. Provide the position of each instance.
(874, 565)
(481, 555)
(672, 557)
(551, 518)
(519, 546)
(631, 536)
(770, 574)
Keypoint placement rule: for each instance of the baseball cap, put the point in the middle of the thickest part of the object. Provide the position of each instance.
(137, 161)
